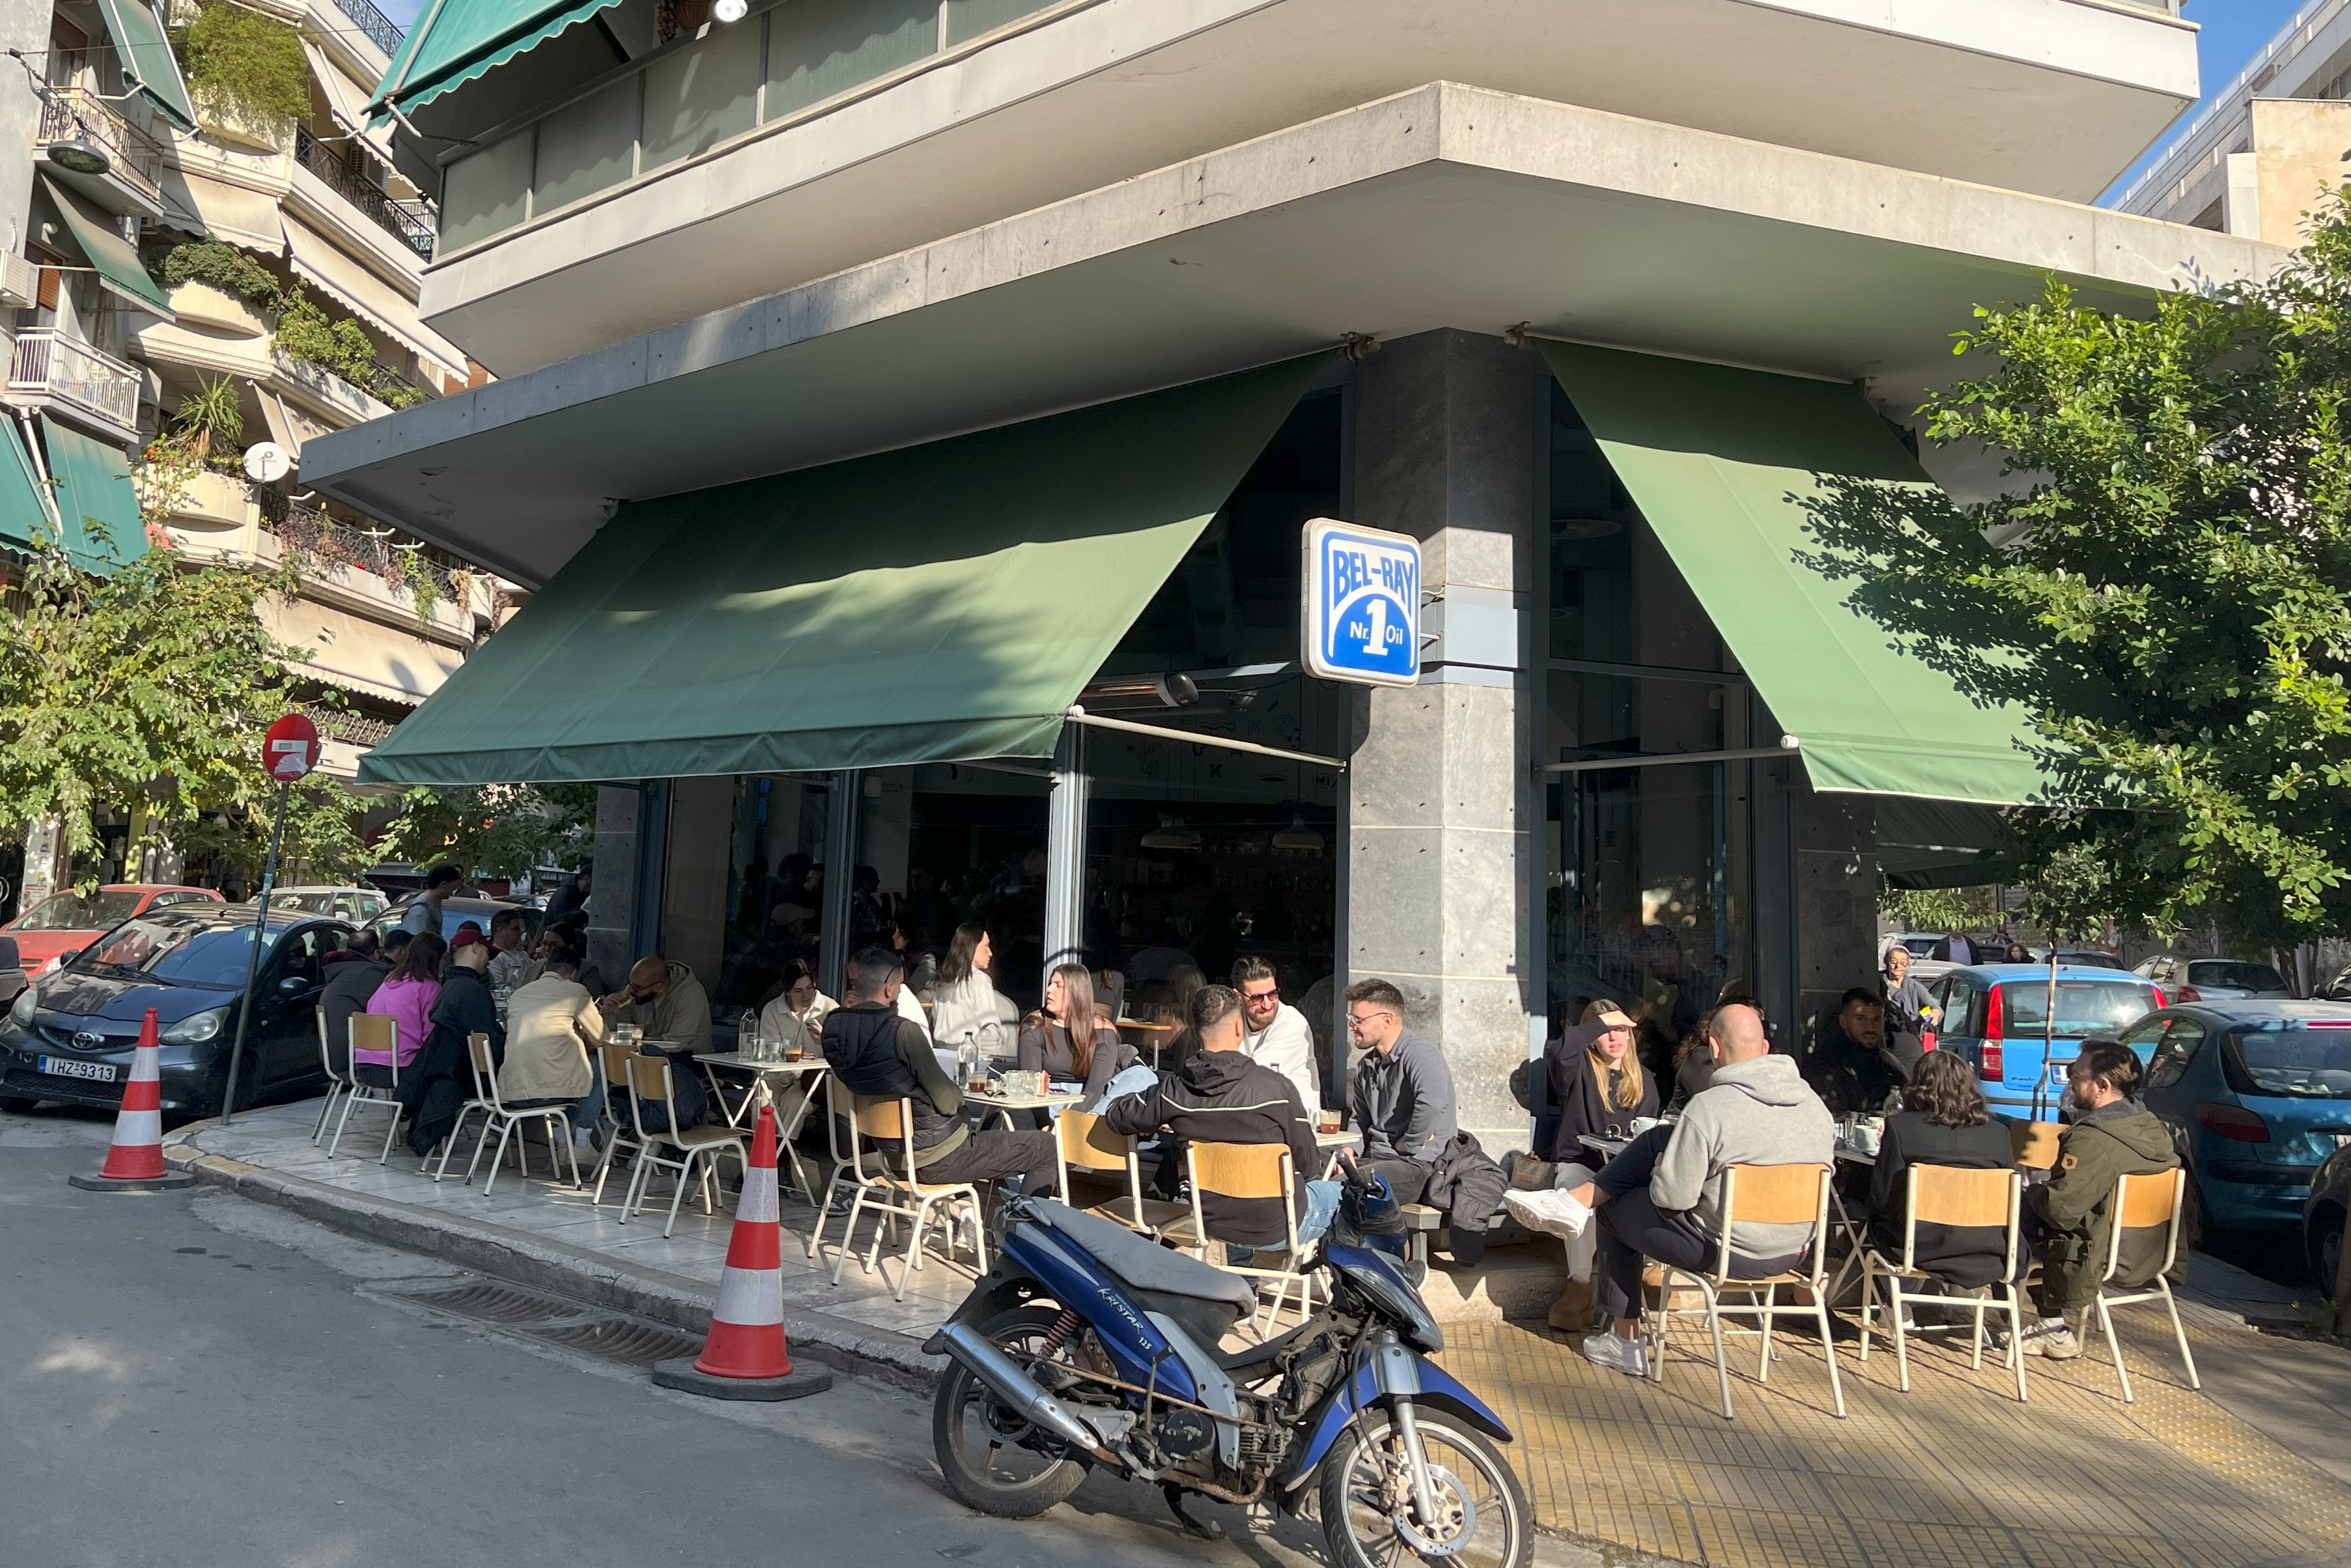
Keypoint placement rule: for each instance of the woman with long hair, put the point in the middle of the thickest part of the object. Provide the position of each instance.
(1599, 1086)
(1944, 1121)
(1069, 1038)
(965, 1006)
(406, 996)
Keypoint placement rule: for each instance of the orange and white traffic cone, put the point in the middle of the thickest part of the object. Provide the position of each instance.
(135, 1161)
(745, 1356)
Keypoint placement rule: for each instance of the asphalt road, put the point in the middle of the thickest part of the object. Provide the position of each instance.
(194, 1378)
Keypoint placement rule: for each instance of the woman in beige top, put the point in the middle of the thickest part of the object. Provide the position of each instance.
(553, 1026)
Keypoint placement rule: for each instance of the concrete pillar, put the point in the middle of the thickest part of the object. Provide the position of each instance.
(613, 885)
(1441, 804)
(1835, 901)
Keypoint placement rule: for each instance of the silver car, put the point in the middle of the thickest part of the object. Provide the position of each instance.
(2185, 979)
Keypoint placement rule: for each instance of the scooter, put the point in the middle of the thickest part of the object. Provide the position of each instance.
(1088, 1345)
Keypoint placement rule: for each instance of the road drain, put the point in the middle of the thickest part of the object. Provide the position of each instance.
(628, 1343)
(590, 1330)
(496, 1305)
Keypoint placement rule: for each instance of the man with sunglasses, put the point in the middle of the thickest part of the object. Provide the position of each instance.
(1274, 1033)
(1402, 1096)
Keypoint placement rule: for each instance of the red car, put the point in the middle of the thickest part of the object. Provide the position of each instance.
(67, 922)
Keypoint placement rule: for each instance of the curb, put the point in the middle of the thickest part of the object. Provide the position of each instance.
(521, 1258)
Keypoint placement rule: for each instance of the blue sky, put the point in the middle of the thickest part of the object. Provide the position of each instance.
(2234, 32)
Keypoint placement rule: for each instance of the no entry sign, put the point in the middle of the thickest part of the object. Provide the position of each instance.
(290, 750)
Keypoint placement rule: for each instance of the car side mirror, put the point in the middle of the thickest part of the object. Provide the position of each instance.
(68, 957)
(293, 985)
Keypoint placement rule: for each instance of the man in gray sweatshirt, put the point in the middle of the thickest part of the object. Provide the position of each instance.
(1662, 1197)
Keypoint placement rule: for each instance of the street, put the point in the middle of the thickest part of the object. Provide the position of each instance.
(194, 1378)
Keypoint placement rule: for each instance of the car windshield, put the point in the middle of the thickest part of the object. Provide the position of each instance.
(72, 912)
(2084, 1006)
(2235, 975)
(2296, 1061)
(180, 951)
(1920, 946)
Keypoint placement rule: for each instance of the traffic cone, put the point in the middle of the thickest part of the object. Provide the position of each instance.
(745, 1356)
(135, 1161)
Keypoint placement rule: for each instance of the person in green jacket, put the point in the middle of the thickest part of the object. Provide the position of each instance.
(2069, 1219)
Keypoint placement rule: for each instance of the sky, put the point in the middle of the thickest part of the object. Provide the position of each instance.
(2234, 32)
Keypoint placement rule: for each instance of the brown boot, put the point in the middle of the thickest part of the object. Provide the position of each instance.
(1572, 1313)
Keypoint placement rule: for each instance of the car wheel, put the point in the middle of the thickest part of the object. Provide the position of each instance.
(2323, 1235)
(2192, 1220)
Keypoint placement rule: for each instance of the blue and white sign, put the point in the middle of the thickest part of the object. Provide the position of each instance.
(1363, 604)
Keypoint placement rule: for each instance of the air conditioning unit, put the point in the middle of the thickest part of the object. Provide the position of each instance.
(20, 283)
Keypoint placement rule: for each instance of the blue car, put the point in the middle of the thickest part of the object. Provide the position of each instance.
(2257, 1095)
(1997, 1016)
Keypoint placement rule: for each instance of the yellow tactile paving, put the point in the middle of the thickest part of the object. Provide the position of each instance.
(1954, 1474)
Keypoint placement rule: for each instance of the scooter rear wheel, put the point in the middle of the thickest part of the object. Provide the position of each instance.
(983, 1448)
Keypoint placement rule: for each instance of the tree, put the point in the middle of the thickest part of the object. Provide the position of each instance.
(322, 843)
(149, 688)
(495, 830)
(2166, 592)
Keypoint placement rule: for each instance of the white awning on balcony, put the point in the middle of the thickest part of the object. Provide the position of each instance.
(225, 212)
(317, 260)
(360, 656)
(346, 101)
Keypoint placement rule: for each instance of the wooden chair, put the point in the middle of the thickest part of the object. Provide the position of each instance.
(2143, 1203)
(848, 1163)
(496, 1113)
(612, 1059)
(904, 1197)
(650, 1084)
(372, 1031)
(1945, 1195)
(1759, 1194)
(1087, 1147)
(2035, 1144)
(1246, 1170)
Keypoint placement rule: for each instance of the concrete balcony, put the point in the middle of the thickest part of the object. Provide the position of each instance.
(59, 375)
(223, 519)
(84, 142)
(202, 504)
(723, 169)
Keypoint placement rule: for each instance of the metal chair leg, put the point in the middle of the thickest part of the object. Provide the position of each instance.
(849, 1234)
(2179, 1331)
(2115, 1349)
(2016, 1338)
(1763, 1318)
(1901, 1335)
(1714, 1327)
(1828, 1348)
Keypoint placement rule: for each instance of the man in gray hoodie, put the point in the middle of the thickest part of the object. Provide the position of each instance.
(1662, 1197)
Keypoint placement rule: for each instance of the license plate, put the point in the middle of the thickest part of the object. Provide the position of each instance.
(65, 1067)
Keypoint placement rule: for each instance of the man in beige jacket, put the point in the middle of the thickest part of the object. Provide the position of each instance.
(553, 1026)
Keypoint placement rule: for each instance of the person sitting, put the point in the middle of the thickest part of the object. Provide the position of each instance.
(1855, 1067)
(1223, 1095)
(1943, 1121)
(510, 966)
(2069, 1218)
(1277, 1033)
(913, 945)
(664, 1000)
(1069, 1040)
(443, 1080)
(1662, 1197)
(1402, 1096)
(405, 996)
(965, 1006)
(795, 1014)
(552, 1026)
(354, 973)
(876, 1053)
(1909, 1008)
(1597, 1082)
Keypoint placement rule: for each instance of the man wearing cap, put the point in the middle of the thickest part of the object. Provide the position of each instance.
(434, 1086)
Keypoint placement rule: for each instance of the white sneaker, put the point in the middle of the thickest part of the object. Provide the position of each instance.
(1629, 1356)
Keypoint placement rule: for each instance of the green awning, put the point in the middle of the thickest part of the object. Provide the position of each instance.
(1716, 459)
(457, 40)
(99, 510)
(147, 61)
(938, 604)
(103, 247)
(1942, 843)
(22, 518)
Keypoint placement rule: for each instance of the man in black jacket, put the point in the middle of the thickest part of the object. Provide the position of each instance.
(441, 1079)
(1220, 1095)
(353, 974)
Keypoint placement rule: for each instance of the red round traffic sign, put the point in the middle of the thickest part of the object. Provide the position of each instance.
(290, 750)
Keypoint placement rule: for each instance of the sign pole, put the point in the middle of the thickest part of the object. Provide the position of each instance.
(253, 958)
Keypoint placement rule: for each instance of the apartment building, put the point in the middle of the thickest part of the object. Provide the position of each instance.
(163, 231)
(2271, 143)
(910, 412)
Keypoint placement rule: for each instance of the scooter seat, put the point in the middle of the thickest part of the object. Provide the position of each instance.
(1143, 1264)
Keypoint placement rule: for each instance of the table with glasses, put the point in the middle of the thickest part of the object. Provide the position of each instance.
(771, 1077)
(1154, 1036)
(1002, 1105)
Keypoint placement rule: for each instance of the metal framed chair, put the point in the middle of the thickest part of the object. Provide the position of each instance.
(339, 1077)
(650, 1084)
(612, 1059)
(2143, 1203)
(372, 1031)
(908, 1196)
(1758, 1195)
(838, 1122)
(1947, 1194)
(496, 1113)
(1246, 1170)
(1086, 1145)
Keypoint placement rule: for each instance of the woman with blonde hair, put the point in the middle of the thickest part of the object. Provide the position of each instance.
(1599, 1086)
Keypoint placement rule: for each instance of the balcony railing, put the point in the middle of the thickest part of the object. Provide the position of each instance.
(49, 363)
(72, 114)
(411, 222)
(380, 30)
(328, 543)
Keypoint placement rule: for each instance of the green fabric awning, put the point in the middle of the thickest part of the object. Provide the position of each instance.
(938, 604)
(94, 487)
(147, 61)
(1716, 459)
(458, 40)
(1942, 843)
(21, 511)
(103, 247)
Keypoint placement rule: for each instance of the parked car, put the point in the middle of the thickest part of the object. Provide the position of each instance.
(2187, 979)
(2257, 1095)
(69, 1036)
(357, 905)
(2322, 1217)
(1995, 1015)
(65, 923)
(1924, 969)
(2087, 958)
(12, 978)
(455, 912)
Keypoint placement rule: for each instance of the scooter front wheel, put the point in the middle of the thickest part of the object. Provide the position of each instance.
(1369, 1520)
(991, 1456)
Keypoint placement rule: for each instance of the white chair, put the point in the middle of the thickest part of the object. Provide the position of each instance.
(496, 1113)
(1758, 1195)
(650, 1084)
(907, 1197)
(339, 1078)
(2145, 1203)
(1246, 1171)
(847, 1164)
(372, 1031)
(1086, 1145)
(1947, 1194)
(613, 1059)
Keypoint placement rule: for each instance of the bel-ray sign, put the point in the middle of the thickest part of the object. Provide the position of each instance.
(1362, 616)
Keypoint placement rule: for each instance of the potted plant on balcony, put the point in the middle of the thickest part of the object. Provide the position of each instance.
(218, 286)
(190, 473)
(247, 73)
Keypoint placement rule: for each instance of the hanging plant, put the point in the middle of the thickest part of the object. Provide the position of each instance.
(424, 583)
(243, 61)
(222, 267)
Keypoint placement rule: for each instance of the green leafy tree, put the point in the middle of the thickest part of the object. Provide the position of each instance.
(1939, 909)
(497, 829)
(2166, 589)
(322, 843)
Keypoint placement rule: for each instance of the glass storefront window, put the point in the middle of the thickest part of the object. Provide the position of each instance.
(774, 905)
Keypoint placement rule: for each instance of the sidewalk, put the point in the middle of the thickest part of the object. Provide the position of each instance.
(2251, 1471)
